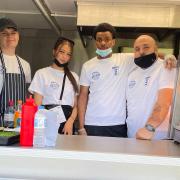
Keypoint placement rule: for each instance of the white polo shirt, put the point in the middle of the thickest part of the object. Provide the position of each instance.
(107, 80)
(142, 90)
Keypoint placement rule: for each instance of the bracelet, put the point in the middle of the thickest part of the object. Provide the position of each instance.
(149, 127)
(81, 130)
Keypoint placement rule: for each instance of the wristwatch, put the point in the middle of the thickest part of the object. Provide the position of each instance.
(149, 127)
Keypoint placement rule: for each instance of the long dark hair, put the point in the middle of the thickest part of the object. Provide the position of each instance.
(62, 41)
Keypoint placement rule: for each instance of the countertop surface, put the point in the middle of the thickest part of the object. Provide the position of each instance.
(93, 158)
(118, 145)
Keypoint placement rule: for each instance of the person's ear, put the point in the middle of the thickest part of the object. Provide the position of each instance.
(113, 42)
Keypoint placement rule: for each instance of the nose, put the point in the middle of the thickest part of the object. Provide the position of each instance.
(141, 52)
(103, 43)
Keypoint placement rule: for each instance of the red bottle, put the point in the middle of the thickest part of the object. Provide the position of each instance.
(27, 123)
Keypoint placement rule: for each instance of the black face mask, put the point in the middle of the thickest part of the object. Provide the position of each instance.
(145, 61)
(59, 64)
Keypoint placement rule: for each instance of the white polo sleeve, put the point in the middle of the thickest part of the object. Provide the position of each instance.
(37, 84)
(167, 78)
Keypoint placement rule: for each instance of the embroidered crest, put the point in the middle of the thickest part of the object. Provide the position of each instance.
(54, 85)
(146, 80)
(115, 70)
(95, 75)
(131, 84)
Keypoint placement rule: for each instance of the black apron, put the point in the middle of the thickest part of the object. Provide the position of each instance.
(67, 110)
(14, 87)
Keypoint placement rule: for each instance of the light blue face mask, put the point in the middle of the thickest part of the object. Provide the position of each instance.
(104, 53)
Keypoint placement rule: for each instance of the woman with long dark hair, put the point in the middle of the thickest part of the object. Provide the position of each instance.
(56, 85)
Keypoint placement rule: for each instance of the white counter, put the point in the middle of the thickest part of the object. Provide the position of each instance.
(77, 157)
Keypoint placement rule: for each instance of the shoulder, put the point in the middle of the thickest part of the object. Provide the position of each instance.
(164, 72)
(124, 55)
(43, 71)
(23, 62)
(159, 64)
(124, 60)
(127, 58)
(90, 62)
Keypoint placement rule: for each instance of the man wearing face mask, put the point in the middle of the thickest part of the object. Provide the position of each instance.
(149, 92)
(102, 103)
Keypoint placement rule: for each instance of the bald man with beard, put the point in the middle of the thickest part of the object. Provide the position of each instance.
(149, 92)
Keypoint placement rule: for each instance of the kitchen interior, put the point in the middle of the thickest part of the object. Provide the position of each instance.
(40, 22)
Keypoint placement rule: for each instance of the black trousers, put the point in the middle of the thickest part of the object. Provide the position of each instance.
(108, 131)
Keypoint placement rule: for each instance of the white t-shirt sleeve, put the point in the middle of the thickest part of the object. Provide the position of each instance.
(84, 80)
(37, 84)
(167, 78)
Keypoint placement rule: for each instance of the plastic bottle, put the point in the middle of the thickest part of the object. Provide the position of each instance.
(9, 115)
(27, 123)
(18, 114)
(39, 128)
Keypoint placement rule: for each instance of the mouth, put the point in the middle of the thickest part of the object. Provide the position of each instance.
(103, 48)
(11, 40)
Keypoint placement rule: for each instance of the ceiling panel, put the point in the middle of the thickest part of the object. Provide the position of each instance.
(64, 12)
(18, 5)
(28, 21)
(62, 6)
(26, 14)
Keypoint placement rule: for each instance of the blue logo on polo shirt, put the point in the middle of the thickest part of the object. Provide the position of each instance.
(115, 70)
(95, 75)
(146, 80)
(131, 84)
(54, 85)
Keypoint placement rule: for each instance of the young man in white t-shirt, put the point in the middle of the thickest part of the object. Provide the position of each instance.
(149, 92)
(14, 71)
(102, 103)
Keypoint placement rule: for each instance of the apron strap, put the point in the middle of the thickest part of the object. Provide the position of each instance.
(22, 79)
(63, 85)
(2, 90)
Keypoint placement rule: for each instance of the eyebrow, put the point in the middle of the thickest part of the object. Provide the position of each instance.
(64, 51)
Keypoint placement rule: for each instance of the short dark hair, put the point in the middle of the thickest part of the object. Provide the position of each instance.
(103, 27)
